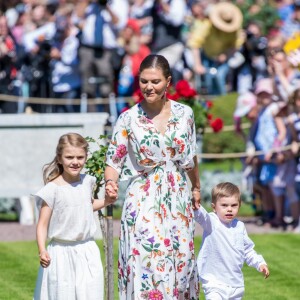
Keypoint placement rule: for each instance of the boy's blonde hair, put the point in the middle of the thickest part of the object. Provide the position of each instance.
(225, 189)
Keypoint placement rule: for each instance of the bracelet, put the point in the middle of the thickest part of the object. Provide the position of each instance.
(41, 253)
(196, 190)
(107, 180)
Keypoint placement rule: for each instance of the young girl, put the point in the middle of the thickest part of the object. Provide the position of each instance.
(71, 266)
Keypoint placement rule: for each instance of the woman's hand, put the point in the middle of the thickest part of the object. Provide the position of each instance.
(196, 198)
(111, 191)
(45, 259)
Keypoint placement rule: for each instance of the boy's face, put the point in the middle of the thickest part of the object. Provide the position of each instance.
(226, 208)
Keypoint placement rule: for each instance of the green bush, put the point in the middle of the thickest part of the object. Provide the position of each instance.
(266, 15)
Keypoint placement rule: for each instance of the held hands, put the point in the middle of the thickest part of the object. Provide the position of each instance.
(45, 259)
(264, 269)
(111, 192)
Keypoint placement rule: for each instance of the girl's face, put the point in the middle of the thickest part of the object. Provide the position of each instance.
(264, 98)
(72, 160)
(226, 208)
(153, 84)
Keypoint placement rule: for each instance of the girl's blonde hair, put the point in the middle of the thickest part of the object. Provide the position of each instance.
(53, 169)
(225, 189)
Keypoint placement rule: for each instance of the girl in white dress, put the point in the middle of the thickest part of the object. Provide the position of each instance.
(71, 265)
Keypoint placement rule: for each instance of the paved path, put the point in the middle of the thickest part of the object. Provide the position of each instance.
(13, 231)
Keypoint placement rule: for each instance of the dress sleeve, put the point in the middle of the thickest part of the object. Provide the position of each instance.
(187, 162)
(47, 194)
(118, 147)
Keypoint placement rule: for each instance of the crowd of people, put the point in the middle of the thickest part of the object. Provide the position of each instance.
(66, 48)
(272, 109)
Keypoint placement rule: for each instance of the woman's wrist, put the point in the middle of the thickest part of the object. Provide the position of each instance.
(42, 252)
(196, 189)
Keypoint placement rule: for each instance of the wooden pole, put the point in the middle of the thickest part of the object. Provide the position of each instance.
(110, 254)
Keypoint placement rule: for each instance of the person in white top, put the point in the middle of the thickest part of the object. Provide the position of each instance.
(71, 265)
(225, 246)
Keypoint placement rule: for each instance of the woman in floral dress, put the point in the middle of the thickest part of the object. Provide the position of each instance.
(153, 146)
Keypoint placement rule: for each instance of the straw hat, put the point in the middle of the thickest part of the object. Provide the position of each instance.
(226, 16)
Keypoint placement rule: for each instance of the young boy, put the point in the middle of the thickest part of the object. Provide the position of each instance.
(225, 246)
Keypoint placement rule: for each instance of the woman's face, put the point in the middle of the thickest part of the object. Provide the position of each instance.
(153, 84)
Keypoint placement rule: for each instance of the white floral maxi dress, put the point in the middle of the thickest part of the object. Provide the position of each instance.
(156, 247)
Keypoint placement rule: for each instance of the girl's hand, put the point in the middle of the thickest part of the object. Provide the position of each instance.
(264, 269)
(45, 259)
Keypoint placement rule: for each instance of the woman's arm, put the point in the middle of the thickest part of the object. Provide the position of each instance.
(195, 181)
(110, 174)
(41, 234)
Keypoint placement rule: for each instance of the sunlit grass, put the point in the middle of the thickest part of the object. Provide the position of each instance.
(19, 265)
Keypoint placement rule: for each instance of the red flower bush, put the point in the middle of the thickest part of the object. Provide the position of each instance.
(185, 94)
(216, 124)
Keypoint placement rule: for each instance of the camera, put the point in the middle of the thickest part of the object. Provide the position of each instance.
(257, 45)
(102, 2)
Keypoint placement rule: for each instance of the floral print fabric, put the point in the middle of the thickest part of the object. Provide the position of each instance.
(156, 247)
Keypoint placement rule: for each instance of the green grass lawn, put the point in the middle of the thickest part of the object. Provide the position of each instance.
(19, 266)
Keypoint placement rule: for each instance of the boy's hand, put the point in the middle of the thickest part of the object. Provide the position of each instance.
(45, 259)
(264, 269)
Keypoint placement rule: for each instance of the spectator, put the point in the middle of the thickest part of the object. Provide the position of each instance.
(219, 39)
(37, 45)
(141, 10)
(283, 73)
(294, 120)
(277, 171)
(261, 194)
(135, 52)
(100, 27)
(8, 69)
(168, 18)
(65, 64)
(251, 65)
(194, 24)
(292, 25)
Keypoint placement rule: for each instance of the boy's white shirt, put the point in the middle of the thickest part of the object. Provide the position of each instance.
(224, 250)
